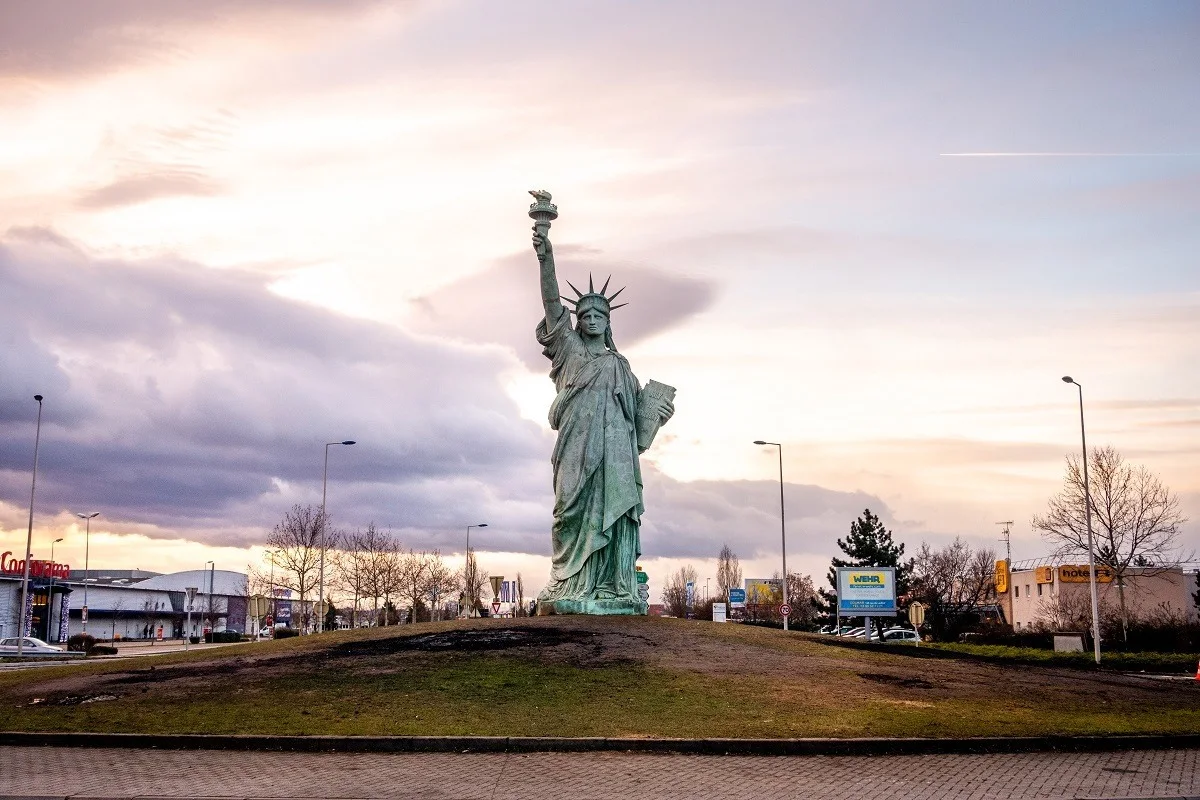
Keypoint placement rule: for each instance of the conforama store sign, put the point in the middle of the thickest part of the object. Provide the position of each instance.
(37, 568)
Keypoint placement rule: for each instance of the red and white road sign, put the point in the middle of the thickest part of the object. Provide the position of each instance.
(785, 610)
(495, 606)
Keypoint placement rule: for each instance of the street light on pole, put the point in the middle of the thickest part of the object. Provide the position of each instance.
(468, 573)
(37, 438)
(212, 624)
(50, 595)
(1087, 495)
(782, 524)
(321, 571)
(87, 534)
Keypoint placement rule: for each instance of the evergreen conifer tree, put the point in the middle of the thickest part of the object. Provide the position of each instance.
(868, 545)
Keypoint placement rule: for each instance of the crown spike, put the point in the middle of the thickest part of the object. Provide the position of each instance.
(569, 300)
(614, 297)
(591, 286)
(618, 305)
(604, 288)
(577, 292)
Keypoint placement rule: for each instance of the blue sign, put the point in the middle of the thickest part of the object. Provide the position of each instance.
(737, 598)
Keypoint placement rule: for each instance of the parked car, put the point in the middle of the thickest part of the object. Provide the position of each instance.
(827, 629)
(32, 646)
(266, 633)
(852, 632)
(900, 635)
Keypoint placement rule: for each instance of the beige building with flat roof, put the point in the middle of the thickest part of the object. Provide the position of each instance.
(1052, 595)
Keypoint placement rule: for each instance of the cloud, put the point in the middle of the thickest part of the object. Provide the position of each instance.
(198, 401)
(140, 188)
(57, 37)
(503, 305)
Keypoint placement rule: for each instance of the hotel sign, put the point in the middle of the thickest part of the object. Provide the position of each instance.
(1001, 577)
(867, 591)
(1080, 574)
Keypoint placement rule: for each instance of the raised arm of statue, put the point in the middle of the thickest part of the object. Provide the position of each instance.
(550, 292)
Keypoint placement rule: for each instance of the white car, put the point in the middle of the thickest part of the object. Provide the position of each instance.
(31, 646)
(901, 635)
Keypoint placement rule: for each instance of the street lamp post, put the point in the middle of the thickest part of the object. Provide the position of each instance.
(321, 571)
(782, 525)
(87, 535)
(468, 573)
(50, 595)
(212, 623)
(37, 438)
(1087, 495)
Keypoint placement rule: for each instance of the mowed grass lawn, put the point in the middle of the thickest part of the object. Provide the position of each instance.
(583, 677)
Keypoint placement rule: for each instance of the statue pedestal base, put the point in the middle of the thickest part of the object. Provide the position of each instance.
(594, 607)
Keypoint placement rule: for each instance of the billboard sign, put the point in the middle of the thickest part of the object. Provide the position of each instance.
(763, 591)
(1001, 579)
(737, 598)
(867, 591)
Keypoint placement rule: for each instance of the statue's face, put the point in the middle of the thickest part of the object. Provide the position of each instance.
(593, 322)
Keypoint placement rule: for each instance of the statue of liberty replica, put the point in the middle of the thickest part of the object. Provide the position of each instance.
(604, 420)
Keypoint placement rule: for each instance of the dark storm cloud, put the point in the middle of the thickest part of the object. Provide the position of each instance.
(62, 37)
(693, 520)
(197, 400)
(657, 301)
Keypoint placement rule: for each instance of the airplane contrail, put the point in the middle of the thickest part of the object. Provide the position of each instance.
(1052, 154)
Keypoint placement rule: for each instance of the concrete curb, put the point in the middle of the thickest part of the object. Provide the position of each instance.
(550, 744)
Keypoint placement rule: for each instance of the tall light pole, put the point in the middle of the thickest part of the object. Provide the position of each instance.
(212, 623)
(1087, 495)
(87, 535)
(37, 438)
(50, 595)
(321, 571)
(468, 573)
(782, 524)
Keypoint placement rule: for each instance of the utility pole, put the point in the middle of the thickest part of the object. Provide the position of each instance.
(1006, 537)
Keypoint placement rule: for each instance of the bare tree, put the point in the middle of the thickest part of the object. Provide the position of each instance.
(1135, 518)
(803, 599)
(296, 541)
(954, 582)
(674, 593)
(379, 554)
(440, 580)
(729, 571)
(352, 564)
(416, 579)
(472, 581)
(521, 610)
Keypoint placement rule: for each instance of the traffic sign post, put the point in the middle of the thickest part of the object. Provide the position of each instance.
(916, 615)
(495, 607)
(785, 610)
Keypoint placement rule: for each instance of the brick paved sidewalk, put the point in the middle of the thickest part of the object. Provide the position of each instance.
(113, 773)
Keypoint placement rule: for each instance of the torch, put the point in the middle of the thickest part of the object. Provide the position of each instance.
(542, 212)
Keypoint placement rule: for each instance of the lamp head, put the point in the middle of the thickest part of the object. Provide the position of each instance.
(37, 397)
(481, 525)
(1068, 379)
(348, 441)
(59, 539)
(759, 441)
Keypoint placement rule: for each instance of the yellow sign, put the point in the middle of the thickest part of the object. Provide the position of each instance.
(1001, 577)
(1080, 574)
(1044, 574)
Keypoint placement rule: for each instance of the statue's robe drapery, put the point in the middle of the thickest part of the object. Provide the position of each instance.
(597, 478)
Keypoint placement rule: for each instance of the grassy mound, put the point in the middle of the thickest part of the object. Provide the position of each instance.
(578, 676)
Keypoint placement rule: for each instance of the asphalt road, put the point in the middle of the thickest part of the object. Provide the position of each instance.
(121, 773)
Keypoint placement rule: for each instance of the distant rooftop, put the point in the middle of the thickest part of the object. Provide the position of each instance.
(111, 577)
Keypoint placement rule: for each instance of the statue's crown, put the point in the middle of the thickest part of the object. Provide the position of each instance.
(593, 299)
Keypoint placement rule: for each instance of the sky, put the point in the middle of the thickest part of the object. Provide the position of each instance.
(877, 234)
